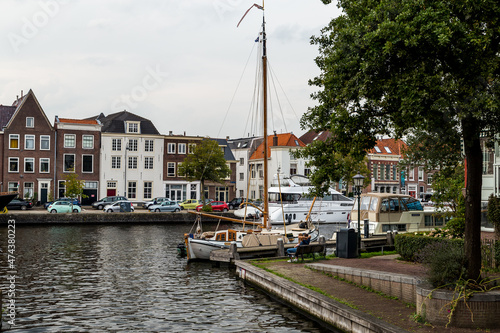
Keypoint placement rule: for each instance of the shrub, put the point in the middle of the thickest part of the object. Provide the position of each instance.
(408, 245)
(446, 263)
(206, 208)
(497, 253)
(456, 227)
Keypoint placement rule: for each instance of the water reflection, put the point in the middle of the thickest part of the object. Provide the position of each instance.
(129, 278)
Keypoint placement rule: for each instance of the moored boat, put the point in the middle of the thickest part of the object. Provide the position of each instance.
(5, 198)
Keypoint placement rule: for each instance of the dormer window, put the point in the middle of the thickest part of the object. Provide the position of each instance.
(132, 127)
(30, 122)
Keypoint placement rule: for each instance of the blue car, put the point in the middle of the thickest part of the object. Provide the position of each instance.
(76, 202)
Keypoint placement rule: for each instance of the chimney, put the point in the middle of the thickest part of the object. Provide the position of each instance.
(22, 94)
(275, 139)
(170, 133)
(227, 137)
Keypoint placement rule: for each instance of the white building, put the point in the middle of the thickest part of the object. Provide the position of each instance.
(131, 161)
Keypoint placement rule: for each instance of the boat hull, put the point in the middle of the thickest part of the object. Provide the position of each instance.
(5, 198)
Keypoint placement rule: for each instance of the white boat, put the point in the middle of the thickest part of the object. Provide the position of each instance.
(200, 244)
(290, 201)
(395, 212)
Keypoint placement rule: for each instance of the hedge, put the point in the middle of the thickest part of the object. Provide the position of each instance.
(497, 253)
(408, 245)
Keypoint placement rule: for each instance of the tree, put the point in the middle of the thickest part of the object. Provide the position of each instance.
(447, 185)
(395, 67)
(74, 187)
(206, 163)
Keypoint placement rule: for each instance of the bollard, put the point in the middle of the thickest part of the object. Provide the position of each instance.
(390, 239)
(281, 248)
(367, 228)
(322, 241)
(233, 250)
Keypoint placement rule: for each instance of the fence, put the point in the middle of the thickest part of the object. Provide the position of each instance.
(488, 253)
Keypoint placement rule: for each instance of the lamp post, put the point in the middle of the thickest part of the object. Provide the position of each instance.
(358, 186)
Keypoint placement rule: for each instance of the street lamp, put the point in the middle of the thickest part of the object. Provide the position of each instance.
(358, 186)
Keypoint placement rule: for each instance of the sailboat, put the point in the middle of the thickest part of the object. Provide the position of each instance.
(200, 244)
(5, 198)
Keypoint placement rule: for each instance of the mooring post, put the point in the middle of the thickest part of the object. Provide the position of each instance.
(233, 250)
(281, 248)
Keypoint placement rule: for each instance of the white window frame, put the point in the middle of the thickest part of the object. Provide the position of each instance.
(182, 148)
(171, 148)
(32, 160)
(116, 144)
(132, 162)
(14, 159)
(31, 138)
(170, 165)
(191, 148)
(83, 141)
(148, 162)
(133, 127)
(66, 143)
(117, 161)
(148, 195)
(12, 137)
(132, 144)
(42, 139)
(132, 189)
(86, 155)
(44, 160)
(28, 119)
(149, 145)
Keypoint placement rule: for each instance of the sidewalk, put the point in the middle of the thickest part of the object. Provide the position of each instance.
(389, 310)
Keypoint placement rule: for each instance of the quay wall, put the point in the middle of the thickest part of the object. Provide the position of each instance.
(320, 306)
(103, 218)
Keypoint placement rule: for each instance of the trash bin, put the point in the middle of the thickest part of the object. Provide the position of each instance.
(125, 207)
(347, 243)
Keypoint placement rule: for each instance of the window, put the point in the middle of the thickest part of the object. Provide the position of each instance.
(132, 145)
(29, 164)
(387, 172)
(13, 164)
(116, 145)
(13, 187)
(388, 150)
(382, 172)
(377, 149)
(44, 165)
(30, 122)
(148, 189)
(69, 141)
(242, 176)
(182, 148)
(69, 163)
(132, 190)
(242, 193)
(242, 161)
(293, 169)
(375, 171)
(111, 185)
(394, 173)
(191, 148)
(252, 173)
(171, 148)
(148, 162)
(29, 142)
(429, 179)
(87, 163)
(88, 141)
(411, 174)
(62, 188)
(44, 142)
(193, 191)
(116, 162)
(420, 174)
(170, 169)
(132, 127)
(13, 141)
(132, 162)
(221, 193)
(148, 145)
(28, 190)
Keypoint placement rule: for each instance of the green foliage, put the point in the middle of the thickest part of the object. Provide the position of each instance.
(50, 197)
(446, 262)
(494, 213)
(408, 245)
(206, 163)
(497, 253)
(448, 185)
(206, 208)
(74, 187)
(456, 227)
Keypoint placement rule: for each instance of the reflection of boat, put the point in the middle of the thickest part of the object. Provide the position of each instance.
(295, 203)
(389, 212)
(5, 198)
(200, 244)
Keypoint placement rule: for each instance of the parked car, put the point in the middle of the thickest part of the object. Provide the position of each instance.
(106, 201)
(190, 204)
(155, 201)
(119, 206)
(165, 206)
(217, 206)
(63, 207)
(235, 203)
(75, 202)
(19, 204)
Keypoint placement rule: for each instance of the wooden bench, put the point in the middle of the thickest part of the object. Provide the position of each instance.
(311, 248)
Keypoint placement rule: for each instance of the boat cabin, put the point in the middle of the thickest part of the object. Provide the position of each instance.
(395, 212)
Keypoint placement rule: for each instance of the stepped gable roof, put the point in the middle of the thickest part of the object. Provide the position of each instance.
(284, 140)
(6, 113)
(115, 123)
(388, 147)
(228, 154)
(311, 136)
(79, 121)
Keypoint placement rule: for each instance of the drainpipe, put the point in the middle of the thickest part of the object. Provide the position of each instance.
(55, 160)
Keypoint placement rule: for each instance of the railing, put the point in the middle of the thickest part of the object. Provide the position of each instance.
(488, 253)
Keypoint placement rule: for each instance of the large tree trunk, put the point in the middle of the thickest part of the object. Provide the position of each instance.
(474, 166)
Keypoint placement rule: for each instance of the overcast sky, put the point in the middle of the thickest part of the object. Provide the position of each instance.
(177, 63)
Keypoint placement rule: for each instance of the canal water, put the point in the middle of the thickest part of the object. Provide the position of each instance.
(123, 278)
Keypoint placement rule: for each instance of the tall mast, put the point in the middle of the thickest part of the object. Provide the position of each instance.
(264, 87)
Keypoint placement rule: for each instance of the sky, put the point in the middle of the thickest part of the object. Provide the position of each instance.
(183, 64)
